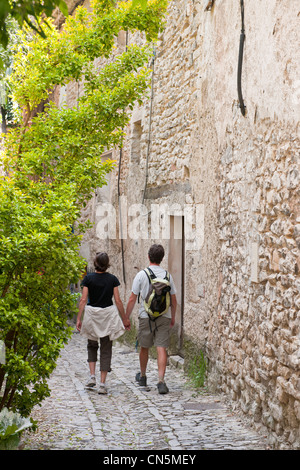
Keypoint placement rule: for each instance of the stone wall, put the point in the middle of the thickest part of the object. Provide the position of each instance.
(259, 307)
(255, 342)
(240, 289)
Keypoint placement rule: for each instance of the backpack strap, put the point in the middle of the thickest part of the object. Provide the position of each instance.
(150, 274)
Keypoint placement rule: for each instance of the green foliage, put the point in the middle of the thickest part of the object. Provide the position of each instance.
(11, 427)
(6, 105)
(38, 254)
(197, 369)
(51, 163)
(30, 12)
(23, 11)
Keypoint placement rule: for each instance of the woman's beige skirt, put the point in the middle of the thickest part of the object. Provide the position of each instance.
(99, 322)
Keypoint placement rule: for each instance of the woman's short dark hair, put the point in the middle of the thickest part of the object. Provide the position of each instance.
(156, 253)
(101, 262)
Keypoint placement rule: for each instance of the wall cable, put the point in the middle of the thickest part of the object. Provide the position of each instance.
(240, 62)
(150, 123)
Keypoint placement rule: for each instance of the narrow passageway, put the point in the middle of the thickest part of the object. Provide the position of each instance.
(132, 417)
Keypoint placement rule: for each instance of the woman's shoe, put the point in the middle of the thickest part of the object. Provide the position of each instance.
(91, 382)
(102, 390)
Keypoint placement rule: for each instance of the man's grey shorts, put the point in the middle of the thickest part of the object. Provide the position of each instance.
(155, 333)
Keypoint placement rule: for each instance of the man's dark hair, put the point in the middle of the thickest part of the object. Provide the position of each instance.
(101, 262)
(156, 253)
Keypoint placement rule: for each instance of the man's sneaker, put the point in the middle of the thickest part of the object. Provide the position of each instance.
(162, 388)
(91, 382)
(102, 390)
(141, 379)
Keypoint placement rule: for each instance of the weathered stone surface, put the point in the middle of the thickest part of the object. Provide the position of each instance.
(130, 417)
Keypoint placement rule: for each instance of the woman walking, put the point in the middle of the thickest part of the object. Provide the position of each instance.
(101, 319)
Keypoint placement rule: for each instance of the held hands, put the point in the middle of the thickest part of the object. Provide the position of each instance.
(126, 323)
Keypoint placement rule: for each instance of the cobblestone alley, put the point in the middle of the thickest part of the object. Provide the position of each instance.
(131, 417)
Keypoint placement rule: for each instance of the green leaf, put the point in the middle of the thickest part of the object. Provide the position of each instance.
(63, 7)
(12, 423)
(142, 3)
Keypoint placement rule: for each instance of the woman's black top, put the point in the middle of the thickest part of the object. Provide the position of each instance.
(101, 288)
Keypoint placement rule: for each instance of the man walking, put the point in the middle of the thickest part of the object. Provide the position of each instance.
(153, 330)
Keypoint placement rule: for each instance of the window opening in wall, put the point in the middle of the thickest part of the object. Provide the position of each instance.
(122, 38)
(254, 261)
(176, 266)
(136, 142)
